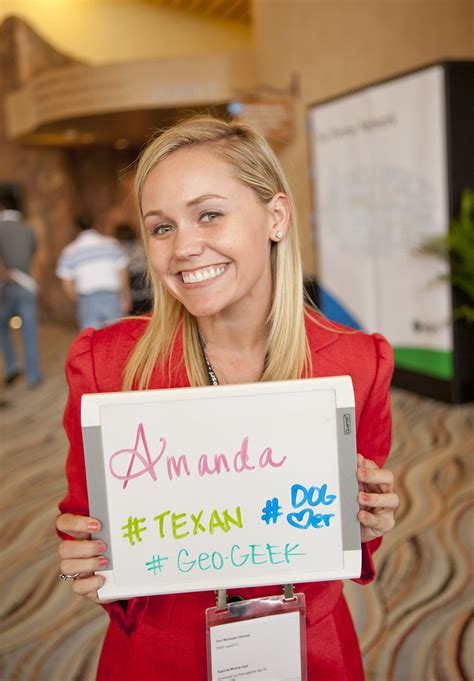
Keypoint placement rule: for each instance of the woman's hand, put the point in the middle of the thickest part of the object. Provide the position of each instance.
(377, 500)
(82, 555)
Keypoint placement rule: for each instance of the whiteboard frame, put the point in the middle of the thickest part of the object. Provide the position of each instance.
(347, 463)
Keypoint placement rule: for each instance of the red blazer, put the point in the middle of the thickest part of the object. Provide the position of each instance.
(163, 637)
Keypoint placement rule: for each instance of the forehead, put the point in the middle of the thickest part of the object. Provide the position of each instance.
(187, 171)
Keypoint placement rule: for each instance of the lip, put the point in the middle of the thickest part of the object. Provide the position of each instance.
(203, 268)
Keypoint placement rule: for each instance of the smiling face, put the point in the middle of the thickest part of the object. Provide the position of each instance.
(209, 234)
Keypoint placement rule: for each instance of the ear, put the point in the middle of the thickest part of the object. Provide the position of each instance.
(280, 213)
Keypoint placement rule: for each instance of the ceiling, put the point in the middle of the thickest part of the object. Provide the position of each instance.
(121, 129)
(239, 10)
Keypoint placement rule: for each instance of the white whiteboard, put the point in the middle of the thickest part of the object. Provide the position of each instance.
(224, 487)
(380, 186)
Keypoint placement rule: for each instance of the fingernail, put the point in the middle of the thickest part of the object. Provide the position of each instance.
(93, 526)
(364, 497)
(101, 546)
(103, 561)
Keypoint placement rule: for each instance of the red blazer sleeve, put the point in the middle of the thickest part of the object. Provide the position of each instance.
(81, 379)
(374, 432)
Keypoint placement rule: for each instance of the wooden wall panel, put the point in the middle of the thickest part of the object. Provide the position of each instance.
(338, 45)
(58, 184)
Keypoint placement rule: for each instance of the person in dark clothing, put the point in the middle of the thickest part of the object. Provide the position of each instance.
(140, 289)
(18, 296)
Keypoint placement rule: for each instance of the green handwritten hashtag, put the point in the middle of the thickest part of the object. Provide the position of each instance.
(133, 529)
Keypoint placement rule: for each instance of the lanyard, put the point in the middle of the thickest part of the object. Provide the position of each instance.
(221, 595)
(213, 380)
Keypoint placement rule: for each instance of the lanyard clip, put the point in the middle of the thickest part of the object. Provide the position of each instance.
(221, 599)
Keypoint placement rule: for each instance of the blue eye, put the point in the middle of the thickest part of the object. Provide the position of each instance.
(159, 230)
(210, 216)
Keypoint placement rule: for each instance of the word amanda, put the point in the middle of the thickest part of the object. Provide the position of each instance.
(176, 466)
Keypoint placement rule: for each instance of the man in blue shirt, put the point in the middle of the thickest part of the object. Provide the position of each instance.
(93, 273)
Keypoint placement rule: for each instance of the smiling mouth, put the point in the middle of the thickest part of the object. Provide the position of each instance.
(203, 274)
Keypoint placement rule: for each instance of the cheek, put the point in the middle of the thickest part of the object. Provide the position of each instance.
(256, 255)
(250, 242)
(158, 258)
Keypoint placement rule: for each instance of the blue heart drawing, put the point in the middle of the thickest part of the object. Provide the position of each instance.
(297, 518)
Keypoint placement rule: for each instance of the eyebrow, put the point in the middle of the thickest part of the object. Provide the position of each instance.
(192, 202)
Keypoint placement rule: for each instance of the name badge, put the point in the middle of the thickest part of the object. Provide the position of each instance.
(263, 638)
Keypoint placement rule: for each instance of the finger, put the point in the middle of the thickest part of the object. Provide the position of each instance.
(78, 526)
(88, 586)
(362, 462)
(379, 523)
(379, 476)
(78, 548)
(373, 500)
(367, 463)
(84, 566)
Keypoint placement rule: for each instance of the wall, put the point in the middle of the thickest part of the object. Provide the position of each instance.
(333, 45)
(97, 31)
(58, 183)
(337, 45)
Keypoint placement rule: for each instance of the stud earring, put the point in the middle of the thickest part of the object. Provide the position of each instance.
(278, 235)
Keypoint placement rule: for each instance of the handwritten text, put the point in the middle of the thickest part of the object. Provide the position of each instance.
(130, 463)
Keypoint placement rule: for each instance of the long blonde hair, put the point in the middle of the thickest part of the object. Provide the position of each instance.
(254, 164)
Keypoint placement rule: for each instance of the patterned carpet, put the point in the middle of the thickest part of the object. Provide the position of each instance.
(413, 622)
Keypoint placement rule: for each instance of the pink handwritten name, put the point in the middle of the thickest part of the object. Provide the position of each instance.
(148, 463)
(177, 466)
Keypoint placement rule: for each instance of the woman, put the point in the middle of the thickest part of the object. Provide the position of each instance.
(220, 233)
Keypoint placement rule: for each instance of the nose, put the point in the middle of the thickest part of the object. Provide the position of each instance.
(188, 242)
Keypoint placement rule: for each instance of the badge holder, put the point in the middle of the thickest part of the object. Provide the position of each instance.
(262, 638)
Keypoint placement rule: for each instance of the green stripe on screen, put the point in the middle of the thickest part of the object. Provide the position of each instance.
(435, 363)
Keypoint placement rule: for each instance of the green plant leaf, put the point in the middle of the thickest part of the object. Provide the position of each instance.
(464, 312)
(457, 246)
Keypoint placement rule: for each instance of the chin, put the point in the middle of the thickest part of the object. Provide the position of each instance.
(204, 305)
(203, 309)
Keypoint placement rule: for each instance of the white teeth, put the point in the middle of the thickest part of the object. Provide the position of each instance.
(202, 275)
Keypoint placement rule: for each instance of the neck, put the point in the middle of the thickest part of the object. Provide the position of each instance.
(235, 354)
(233, 337)
(237, 331)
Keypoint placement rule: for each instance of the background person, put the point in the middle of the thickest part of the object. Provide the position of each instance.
(18, 290)
(93, 272)
(140, 292)
(220, 232)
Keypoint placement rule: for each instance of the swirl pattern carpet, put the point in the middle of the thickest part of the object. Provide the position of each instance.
(413, 622)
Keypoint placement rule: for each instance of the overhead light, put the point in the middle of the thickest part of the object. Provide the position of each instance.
(121, 143)
(234, 108)
(15, 323)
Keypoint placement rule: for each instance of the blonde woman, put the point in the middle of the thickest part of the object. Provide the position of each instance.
(220, 233)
